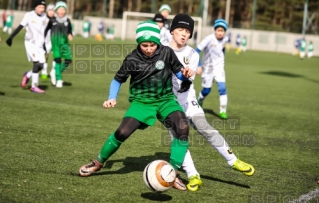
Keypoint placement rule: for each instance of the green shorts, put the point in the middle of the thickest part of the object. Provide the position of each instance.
(62, 51)
(147, 113)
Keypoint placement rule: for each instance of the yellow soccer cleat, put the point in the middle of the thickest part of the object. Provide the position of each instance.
(194, 183)
(243, 167)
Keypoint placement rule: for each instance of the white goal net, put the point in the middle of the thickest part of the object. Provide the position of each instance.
(131, 19)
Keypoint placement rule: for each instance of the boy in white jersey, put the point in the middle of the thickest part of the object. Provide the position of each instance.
(165, 35)
(213, 65)
(35, 23)
(182, 29)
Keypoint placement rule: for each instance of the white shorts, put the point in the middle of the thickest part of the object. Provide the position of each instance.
(217, 74)
(192, 108)
(48, 48)
(310, 54)
(109, 36)
(34, 53)
(302, 54)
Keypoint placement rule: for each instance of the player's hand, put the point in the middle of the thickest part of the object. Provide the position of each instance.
(9, 41)
(185, 86)
(109, 103)
(70, 37)
(187, 72)
(199, 70)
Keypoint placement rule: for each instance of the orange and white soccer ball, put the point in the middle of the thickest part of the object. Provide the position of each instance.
(159, 176)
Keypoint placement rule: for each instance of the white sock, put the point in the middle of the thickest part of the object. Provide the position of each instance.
(45, 69)
(220, 144)
(29, 74)
(53, 65)
(10, 31)
(188, 165)
(223, 103)
(35, 79)
(200, 97)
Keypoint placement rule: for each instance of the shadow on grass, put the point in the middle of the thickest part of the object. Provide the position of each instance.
(67, 84)
(224, 181)
(2, 93)
(209, 111)
(156, 196)
(287, 74)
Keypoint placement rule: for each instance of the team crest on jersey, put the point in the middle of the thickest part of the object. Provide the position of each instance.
(229, 151)
(66, 23)
(186, 60)
(159, 65)
(213, 45)
(147, 35)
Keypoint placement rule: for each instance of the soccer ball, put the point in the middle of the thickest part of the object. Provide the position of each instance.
(159, 176)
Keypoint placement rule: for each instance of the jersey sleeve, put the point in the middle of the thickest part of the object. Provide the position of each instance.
(194, 60)
(204, 43)
(174, 63)
(123, 73)
(25, 20)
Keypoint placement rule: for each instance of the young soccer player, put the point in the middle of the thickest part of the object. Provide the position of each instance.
(182, 29)
(238, 43)
(48, 46)
(303, 46)
(213, 65)
(243, 46)
(150, 66)
(9, 23)
(61, 34)
(166, 36)
(35, 22)
(165, 10)
(86, 28)
(310, 49)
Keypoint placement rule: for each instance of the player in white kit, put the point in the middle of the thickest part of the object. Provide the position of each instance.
(182, 29)
(35, 23)
(213, 65)
(165, 35)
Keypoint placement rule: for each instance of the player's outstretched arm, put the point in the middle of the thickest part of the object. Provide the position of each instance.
(114, 90)
(15, 32)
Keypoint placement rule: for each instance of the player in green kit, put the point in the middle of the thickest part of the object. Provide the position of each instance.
(9, 23)
(303, 46)
(310, 49)
(61, 34)
(150, 66)
(86, 29)
(243, 46)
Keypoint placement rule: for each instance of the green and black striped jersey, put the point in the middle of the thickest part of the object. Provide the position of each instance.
(151, 78)
(60, 29)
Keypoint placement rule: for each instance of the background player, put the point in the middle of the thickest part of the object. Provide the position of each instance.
(310, 49)
(8, 23)
(48, 46)
(182, 29)
(61, 34)
(213, 65)
(151, 96)
(35, 22)
(165, 10)
(166, 36)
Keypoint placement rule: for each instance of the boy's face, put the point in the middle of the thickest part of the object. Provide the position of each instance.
(39, 9)
(50, 13)
(148, 48)
(180, 36)
(160, 24)
(164, 13)
(61, 12)
(220, 33)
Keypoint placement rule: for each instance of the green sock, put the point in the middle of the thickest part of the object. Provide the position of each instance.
(178, 152)
(110, 146)
(63, 66)
(58, 69)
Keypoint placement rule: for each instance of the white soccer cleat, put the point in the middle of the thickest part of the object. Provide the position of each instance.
(52, 76)
(59, 84)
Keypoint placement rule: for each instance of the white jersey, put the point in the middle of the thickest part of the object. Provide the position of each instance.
(213, 51)
(35, 26)
(189, 58)
(165, 36)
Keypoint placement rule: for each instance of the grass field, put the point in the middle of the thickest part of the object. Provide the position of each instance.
(46, 138)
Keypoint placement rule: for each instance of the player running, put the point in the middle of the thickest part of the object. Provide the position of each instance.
(182, 29)
(35, 22)
(213, 65)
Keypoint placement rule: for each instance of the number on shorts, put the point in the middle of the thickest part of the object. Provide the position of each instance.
(195, 103)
